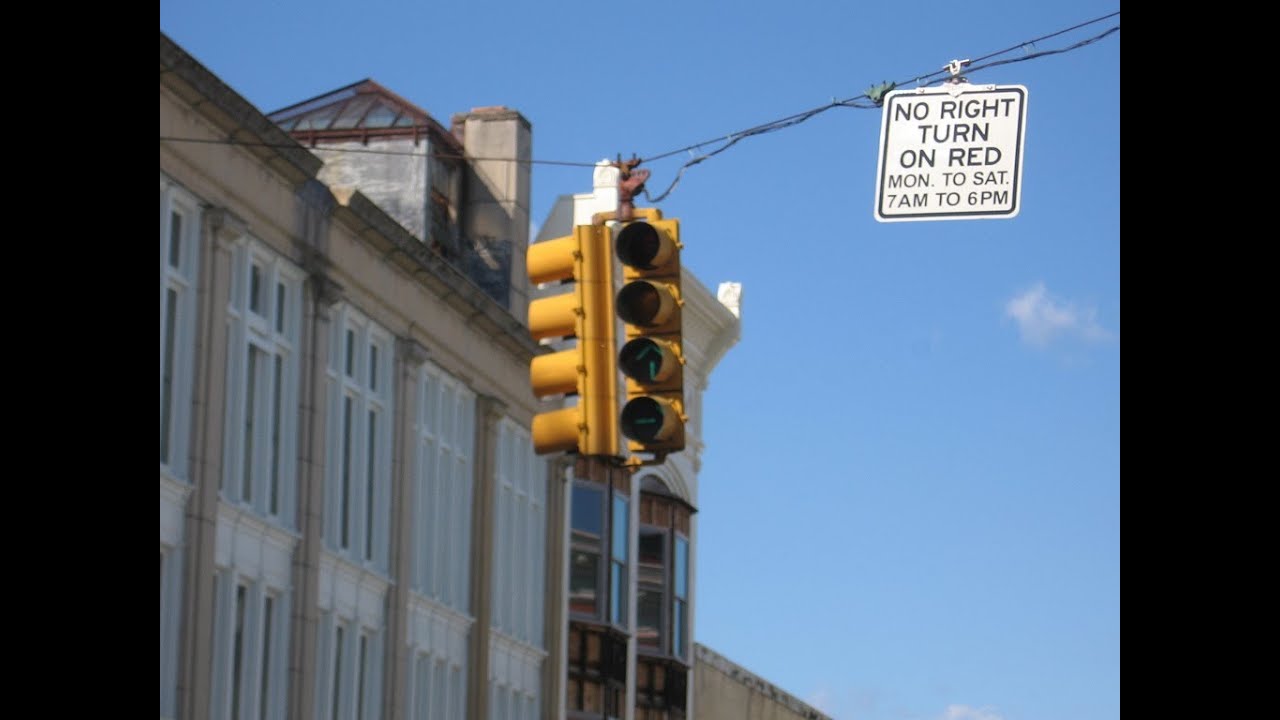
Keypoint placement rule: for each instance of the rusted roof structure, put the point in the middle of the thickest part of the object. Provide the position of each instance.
(361, 111)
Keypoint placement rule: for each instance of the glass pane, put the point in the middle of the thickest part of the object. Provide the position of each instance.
(345, 501)
(166, 372)
(438, 686)
(682, 567)
(264, 692)
(373, 368)
(175, 240)
(280, 295)
(250, 415)
(618, 594)
(237, 652)
(360, 670)
(350, 353)
(255, 289)
(380, 116)
(369, 480)
(351, 115)
(679, 630)
(422, 689)
(276, 413)
(583, 579)
(652, 553)
(587, 516)
(621, 520)
(337, 673)
(318, 120)
(649, 617)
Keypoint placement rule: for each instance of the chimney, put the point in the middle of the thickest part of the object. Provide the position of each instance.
(495, 204)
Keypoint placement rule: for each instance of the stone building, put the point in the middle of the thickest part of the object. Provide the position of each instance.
(353, 523)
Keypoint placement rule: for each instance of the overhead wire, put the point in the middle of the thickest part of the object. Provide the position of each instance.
(370, 151)
(732, 139)
(854, 102)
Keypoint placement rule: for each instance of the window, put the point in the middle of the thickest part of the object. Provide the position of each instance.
(170, 581)
(662, 603)
(350, 672)
(592, 525)
(651, 588)
(598, 589)
(662, 593)
(263, 370)
(179, 228)
(618, 588)
(442, 498)
(250, 639)
(584, 556)
(680, 577)
(438, 689)
(359, 485)
(520, 483)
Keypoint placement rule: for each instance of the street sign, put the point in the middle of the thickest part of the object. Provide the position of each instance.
(951, 153)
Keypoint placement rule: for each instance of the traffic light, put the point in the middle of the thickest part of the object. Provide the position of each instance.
(652, 358)
(588, 369)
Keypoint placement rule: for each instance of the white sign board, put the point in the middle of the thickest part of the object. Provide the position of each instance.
(951, 153)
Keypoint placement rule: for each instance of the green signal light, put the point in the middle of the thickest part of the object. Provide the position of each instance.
(642, 419)
(643, 359)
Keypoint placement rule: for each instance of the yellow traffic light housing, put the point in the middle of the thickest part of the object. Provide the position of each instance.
(652, 358)
(588, 369)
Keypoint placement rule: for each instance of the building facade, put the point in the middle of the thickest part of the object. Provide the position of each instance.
(728, 691)
(353, 523)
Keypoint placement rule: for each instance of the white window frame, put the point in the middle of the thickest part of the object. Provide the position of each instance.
(341, 665)
(170, 597)
(445, 437)
(258, 651)
(358, 484)
(520, 545)
(268, 454)
(177, 325)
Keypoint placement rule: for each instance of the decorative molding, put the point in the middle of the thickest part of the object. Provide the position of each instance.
(254, 546)
(324, 289)
(412, 352)
(173, 500)
(352, 590)
(225, 226)
(491, 408)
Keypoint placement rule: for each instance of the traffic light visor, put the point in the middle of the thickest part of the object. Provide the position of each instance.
(640, 245)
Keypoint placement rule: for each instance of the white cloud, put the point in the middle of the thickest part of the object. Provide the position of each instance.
(964, 712)
(1042, 318)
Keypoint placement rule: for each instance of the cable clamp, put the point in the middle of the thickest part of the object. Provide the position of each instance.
(955, 67)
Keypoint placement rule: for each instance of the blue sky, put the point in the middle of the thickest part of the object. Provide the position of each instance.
(910, 496)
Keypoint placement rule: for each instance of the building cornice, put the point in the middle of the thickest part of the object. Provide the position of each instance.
(231, 114)
(370, 222)
(740, 675)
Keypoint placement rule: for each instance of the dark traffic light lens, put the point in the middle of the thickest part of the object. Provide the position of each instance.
(642, 419)
(641, 360)
(638, 245)
(639, 303)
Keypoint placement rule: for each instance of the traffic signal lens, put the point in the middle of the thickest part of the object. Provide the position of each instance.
(642, 359)
(639, 303)
(639, 245)
(642, 419)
